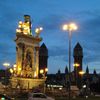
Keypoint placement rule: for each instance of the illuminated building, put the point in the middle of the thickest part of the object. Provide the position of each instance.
(27, 56)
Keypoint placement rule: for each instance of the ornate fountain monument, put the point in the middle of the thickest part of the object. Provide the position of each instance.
(26, 72)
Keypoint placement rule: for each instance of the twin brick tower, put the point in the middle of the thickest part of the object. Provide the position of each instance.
(31, 58)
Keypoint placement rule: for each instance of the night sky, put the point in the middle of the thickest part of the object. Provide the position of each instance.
(51, 15)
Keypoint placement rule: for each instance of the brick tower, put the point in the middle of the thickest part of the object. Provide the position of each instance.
(78, 57)
(43, 57)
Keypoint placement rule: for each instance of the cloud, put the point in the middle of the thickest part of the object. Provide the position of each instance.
(88, 34)
(57, 51)
(51, 22)
(51, 15)
(7, 52)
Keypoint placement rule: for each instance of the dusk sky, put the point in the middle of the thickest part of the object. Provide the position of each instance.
(51, 15)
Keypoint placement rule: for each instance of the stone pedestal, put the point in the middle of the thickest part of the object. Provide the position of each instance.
(26, 83)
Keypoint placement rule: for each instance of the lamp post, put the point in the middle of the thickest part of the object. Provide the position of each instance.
(76, 65)
(81, 73)
(69, 27)
(14, 69)
(38, 31)
(11, 71)
(43, 72)
(6, 65)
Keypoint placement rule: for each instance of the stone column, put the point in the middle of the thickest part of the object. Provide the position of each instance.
(19, 60)
(37, 61)
(16, 58)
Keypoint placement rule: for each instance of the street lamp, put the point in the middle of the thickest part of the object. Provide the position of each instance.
(81, 73)
(6, 64)
(70, 27)
(46, 70)
(43, 72)
(76, 65)
(11, 71)
(38, 31)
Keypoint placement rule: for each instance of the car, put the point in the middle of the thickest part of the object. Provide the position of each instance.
(4, 97)
(39, 96)
(22, 96)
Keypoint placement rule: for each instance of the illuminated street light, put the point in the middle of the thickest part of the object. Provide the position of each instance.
(81, 73)
(70, 27)
(6, 64)
(14, 69)
(11, 71)
(76, 65)
(14, 65)
(43, 72)
(38, 31)
(46, 70)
